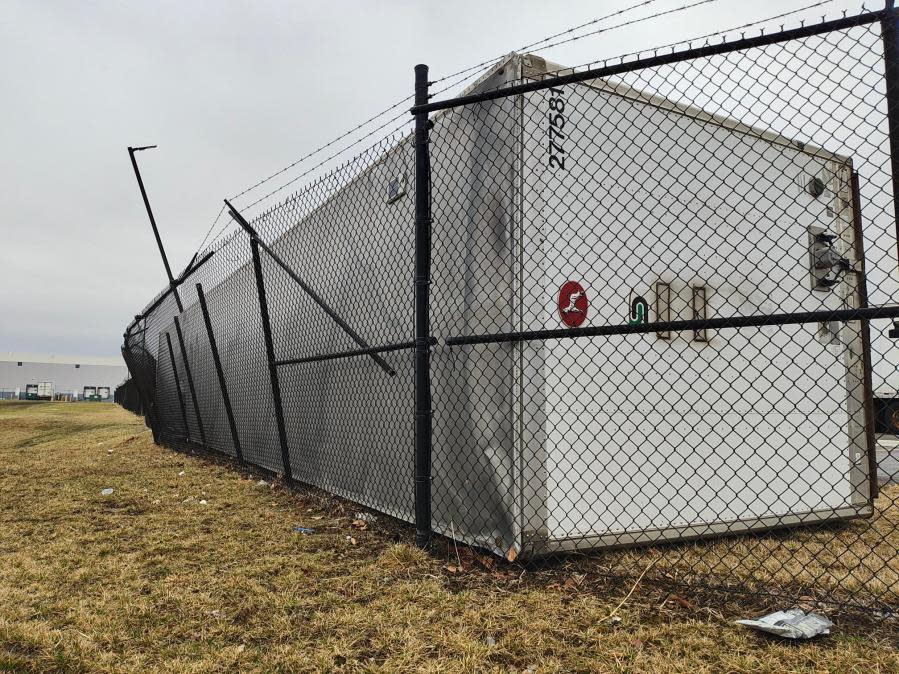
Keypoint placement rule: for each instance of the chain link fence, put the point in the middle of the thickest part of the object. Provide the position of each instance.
(641, 310)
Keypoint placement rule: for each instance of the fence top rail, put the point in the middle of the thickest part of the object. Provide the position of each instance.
(660, 60)
(188, 271)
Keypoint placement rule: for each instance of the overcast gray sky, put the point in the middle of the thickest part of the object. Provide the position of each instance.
(230, 91)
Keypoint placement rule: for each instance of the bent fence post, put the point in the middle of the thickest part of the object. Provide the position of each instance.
(146, 409)
(190, 379)
(151, 417)
(143, 193)
(270, 356)
(218, 370)
(422, 280)
(168, 341)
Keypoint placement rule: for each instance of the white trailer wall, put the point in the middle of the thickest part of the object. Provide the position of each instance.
(648, 437)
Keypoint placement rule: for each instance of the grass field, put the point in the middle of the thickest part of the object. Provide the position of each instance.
(194, 566)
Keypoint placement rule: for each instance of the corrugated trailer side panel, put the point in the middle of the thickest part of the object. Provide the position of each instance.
(349, 423)
(234, 312)
(475, 159)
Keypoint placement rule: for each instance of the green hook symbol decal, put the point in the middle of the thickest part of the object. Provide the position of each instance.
(639, 311)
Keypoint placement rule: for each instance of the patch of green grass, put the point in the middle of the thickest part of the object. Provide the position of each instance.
(150, 579)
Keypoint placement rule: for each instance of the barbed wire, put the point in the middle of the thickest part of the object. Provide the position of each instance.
(461, 75)
(206, 236)
(408, 98)
(305, 157)
(311, 169)
(457, 77)
(532, 45)
(698, 38)
(539, 43)
(629, 23)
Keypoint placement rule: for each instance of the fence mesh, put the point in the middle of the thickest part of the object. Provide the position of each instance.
(574, 226)
(349, 263)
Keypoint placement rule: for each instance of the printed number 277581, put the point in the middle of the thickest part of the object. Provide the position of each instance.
(556, 115)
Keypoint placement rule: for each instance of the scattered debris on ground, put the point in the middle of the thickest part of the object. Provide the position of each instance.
(793, 623)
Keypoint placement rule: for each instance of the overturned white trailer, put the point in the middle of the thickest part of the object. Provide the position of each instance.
(556, 444)
(689, 433)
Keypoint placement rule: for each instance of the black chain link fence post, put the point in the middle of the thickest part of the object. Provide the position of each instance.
(891, 76)
(168, 341)
(865, 325)
(190, 380)
(422, 318)
(270, 356)
(201, 297)
(888, 29)
(143, 194)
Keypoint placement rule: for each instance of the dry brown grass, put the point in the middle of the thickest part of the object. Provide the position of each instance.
(855, 562)
(150, 579)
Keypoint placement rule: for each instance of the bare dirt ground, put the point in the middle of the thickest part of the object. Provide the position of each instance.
(191, 565)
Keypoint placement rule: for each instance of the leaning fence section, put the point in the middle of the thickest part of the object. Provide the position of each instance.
(294, 348)
(641, 309)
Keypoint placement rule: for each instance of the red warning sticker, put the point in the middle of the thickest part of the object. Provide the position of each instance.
(573, 304)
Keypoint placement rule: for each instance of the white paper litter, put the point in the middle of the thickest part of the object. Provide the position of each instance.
(793, 623)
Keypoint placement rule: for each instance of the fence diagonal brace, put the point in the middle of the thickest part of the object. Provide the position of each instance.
(190, 379)
(239, 219)
(192, 266)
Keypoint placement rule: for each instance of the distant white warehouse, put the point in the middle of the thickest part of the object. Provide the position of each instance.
(52, 376)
